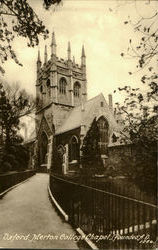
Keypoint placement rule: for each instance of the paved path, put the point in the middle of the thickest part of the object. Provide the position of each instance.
(26, 212)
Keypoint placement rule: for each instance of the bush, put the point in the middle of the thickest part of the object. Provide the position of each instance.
(10, 158)
(6, 167)
(91, 160)
(15, 157)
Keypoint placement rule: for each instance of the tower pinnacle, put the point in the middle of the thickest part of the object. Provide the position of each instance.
(83, 57)
(38, 57)
(83, 51)
(69, 51)
(45, 54)
(38, 61)
(53, 44)
(73, 61)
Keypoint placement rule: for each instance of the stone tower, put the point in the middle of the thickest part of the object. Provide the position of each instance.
(61, 85)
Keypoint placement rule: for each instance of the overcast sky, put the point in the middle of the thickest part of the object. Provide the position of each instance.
(99, 25)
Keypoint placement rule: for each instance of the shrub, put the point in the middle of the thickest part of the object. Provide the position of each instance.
(6, 167)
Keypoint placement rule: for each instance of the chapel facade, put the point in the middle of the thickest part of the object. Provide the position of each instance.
(63, 113)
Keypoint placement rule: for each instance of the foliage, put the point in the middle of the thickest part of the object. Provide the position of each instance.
(48, 3)
(146, 170)
(17, 18)
(146, 49)
(139, 114)
(139, 110)
(139, 128)
(13, 104)
(140, 166)
(15, 157)
(91, 155)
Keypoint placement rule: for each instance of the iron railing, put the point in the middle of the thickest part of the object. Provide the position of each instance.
(121, 222)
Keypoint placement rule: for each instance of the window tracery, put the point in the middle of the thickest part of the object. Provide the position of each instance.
(104, 134)
(62, 85)
(73, 149)
(77, 89)
(48, 87)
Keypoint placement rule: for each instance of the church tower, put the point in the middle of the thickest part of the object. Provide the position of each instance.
(60, 86)
(60, 81)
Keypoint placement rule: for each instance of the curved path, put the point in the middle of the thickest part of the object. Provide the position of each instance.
(28, 219)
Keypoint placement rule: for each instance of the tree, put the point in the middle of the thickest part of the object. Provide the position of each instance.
(139, 114)
(17, 18)
(14, 103)
(139, 128)
(49, 3)
(145, 50)
(91, 155)
(140, 107)
(139, 110)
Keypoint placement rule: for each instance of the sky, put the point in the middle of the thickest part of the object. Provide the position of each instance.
(99, 25)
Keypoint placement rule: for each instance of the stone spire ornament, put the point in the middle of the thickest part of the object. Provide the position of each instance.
(53, 44)
(45, 55)
(69, 51)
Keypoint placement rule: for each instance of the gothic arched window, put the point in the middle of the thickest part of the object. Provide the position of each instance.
(77, 89)
(48, 86)
(73, 149)
(103, 131)
(62, 85)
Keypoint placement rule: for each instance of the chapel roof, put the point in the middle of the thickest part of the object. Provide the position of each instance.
(92, 108)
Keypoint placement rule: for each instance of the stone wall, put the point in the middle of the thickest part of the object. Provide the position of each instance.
(122, 157)
(116, 157)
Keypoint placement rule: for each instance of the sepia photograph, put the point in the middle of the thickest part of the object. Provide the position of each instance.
(78, 124)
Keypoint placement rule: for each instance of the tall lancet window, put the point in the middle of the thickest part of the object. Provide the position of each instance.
(104, 131)
(62, 85)
(77, 87)
(48, 87)
(73, 149)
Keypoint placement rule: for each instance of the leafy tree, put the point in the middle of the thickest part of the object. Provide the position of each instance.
(145, 50)
(139, 110)
(15, 157)
(139, 128)
(139, 115)
(91, 155)
(49, 3)
(17, 18)
(13, 104)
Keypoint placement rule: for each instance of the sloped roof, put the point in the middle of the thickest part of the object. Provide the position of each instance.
(92, 108)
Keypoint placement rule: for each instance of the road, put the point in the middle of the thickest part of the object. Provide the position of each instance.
(28, 219)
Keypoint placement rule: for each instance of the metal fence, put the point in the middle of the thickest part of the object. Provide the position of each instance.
(110, 220)
(8, 180)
